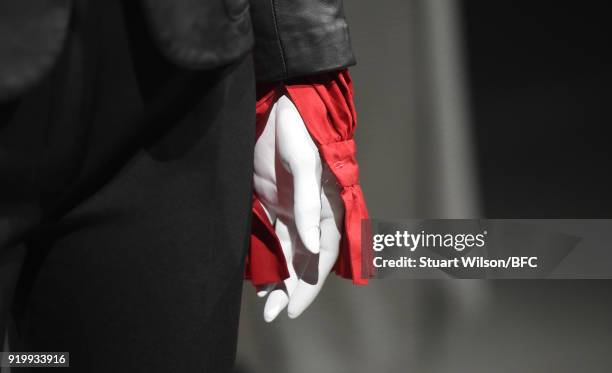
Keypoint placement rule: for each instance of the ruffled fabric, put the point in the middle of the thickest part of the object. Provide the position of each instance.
(325, 103)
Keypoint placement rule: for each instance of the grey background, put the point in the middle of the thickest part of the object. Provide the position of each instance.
(466, 109)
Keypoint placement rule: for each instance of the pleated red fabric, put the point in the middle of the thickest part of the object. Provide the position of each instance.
(325, 103)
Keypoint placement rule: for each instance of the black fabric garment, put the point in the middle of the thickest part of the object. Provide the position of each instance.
(128, 181)
(293, 37)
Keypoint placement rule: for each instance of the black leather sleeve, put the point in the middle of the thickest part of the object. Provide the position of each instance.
(295, 38)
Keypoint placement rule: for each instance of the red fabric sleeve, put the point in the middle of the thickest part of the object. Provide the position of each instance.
(325, 103)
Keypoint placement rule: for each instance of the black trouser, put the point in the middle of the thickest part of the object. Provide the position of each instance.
(133, 182)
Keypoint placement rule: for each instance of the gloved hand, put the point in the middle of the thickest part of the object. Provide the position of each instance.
(302, 200)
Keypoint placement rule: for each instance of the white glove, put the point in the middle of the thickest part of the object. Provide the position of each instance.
(302, 201)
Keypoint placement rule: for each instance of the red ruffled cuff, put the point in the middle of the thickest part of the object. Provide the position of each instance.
(325, 103)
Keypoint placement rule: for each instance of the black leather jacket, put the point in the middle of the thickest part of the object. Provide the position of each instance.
(292, 38)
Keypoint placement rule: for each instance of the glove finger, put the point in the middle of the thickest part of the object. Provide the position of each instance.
(279, 297)
(276, 302)
(331, 223)
(263, 290)
(299, 155)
